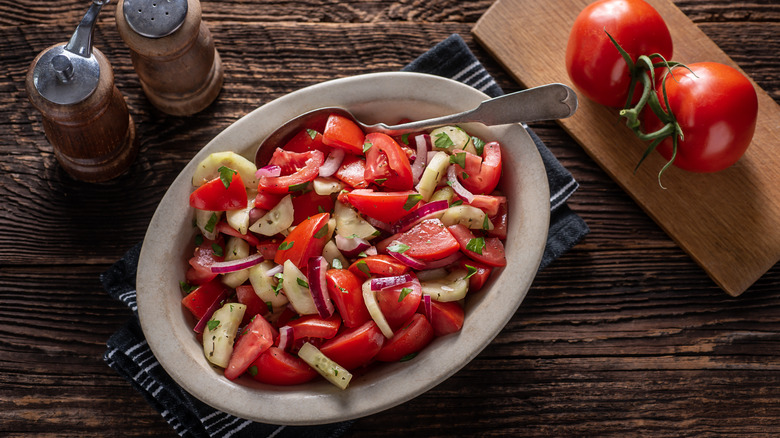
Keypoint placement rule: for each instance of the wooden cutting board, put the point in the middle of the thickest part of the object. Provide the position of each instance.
(729, 221)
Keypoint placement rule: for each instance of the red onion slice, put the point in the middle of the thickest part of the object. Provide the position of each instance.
(210, 312)
(386, 282)
(270, 170)
(420, 159)
(332, 162)
(275, 270)
(427, 307)
(351, 247)
(418, 215)
(318, 286)
(459, 189)
(236, 265)
(446, 261)
(407, 260)
(384, 226)
(286, 337)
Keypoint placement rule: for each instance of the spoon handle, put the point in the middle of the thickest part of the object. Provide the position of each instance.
(546, 102)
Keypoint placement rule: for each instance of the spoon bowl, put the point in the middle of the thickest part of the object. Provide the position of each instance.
(546, 102)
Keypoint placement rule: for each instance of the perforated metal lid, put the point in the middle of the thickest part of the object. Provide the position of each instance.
(155, 18)
(70, 73)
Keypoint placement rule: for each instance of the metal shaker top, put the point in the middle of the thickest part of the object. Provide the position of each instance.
(70, 73)
(155, 18)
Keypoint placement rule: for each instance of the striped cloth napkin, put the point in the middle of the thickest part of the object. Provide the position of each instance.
(129, 354)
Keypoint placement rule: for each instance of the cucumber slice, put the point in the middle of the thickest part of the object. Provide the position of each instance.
(433, 173)
(208, 169)
(330, 370)
(220, 333)
(449, 138)
(239, 219)
(453, 287)
(326, 186)
(206, 221)
(298, 294)
(265, 286)
(467, 215)
(236, 248)
(276, 219)
(349, 223)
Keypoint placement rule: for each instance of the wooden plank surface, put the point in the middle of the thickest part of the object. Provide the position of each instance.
(729, 221)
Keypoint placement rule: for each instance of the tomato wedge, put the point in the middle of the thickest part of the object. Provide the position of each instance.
(305, 241)
(344, 289)
(305, 141)
(446, 317)
(266, 200)
(381, 265)
(486, 179)
(304, 166)
(342, 132)
(254, 305)
(254, 340)
(214, 196)
(356, 346)
(384, 206)
(352, 171)
(225, 228)
(277, 367)
(200, 263)
(199, 300)
(488, 250)
(429, 240)
(312, 326)
(398, 303)
(386, 163)
(310, 203)
(480, 275)
(412, 338)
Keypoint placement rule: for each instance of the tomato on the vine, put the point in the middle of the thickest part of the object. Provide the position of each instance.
(595, 66)
(716, 107)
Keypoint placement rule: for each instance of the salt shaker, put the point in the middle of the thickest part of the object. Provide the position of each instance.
(172, 52)
(85, 117)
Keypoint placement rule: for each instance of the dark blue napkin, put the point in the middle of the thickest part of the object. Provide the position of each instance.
(129, 354)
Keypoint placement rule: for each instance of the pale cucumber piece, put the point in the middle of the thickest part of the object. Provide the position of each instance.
(433, 173)
(349, 224)
(299, 296)
(453, 287)
(203, 219)
(276, 220)
(449, 138)
(236, 248)
(330, 370)
(467, 215)
(220, 333)
(324, 186)
(443, 194)
(369, 297)
(208, 169)
(265, 286)
(331, 252)
(239, 219)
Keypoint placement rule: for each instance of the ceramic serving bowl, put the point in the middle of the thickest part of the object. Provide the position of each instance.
(372, 98)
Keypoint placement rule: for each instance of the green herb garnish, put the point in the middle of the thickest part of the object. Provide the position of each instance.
(404, 292)
(321, 232)
(213, 324)
(412, 200)
(476, 245)
(226, 175)
(286, 245)
(459, 159)
(398, 247)
(443, 141)
(312, 133)
(212, 223)
(366, 146)
(301, 282)
(479, 145)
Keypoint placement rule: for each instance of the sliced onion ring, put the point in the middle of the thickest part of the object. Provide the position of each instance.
(351, 247)
(428, 307)
(421, 158)
(332, 162)
(459, 189)
(384, 226)
(270, 170)
(446, 261)
(318, 286)
(418, 215)
(275, 270)
(407, 260)
(369, 297)
(285, 337)
(236, 265)
(386, 282)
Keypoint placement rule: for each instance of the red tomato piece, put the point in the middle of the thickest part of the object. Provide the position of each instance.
(446, 317)
(594, 64)
(305, 141)
(480, 277)
(356, 346)
(342, 132)
(491, 250)
(254, 305)
(253, 341)
(381, 265)
(398, 303)
(304, 167)
(225, 228)
(309, 204)
(277, 367)
(386, 163)
(486, 179)
(304, 242)
(488, 204)
(268, 248)
(412, 338)
(201, 299)
(384, 206)
(499, 221)
(214, 196)
(267, 200)
(429, 240)
(200, 263)
(352, 170)
(312, 326)
(344, 289)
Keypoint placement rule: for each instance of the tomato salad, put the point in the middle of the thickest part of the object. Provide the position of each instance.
(344, 250)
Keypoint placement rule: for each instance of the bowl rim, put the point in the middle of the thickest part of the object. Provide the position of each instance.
(321, 403)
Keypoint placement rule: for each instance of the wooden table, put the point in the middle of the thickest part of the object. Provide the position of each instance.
(624, 334)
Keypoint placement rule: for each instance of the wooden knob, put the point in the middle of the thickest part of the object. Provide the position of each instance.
(94, 138)
(181, 72)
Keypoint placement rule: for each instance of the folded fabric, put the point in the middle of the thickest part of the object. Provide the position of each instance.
(131, 357)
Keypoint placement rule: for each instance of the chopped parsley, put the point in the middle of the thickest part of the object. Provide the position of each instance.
(479, 144)
(312, 133)
(366, 146)
(486, 223)
(217, 250)
(280, 282)
(213, 324)
(298, 187)
(398, 247)
(457, 202)
(198, 239)
(443, 141)
(405, 139)
(380, 181)
(186, 287)
(404, 292)
(301, 282)
(464, 175)
(363, 266)
(270, 306)
(253, 370)
(412, 200)
(471, 271)
(459, 159)
(336, 263)
(286, 245)
(226, 175)
(212, 223)
(476, 245)
(321, 232)
(408, 357)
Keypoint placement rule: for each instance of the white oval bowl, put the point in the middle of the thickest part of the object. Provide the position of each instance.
(372, 98)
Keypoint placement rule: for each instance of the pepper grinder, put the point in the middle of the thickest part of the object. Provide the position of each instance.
(85, 117)
(172, 52)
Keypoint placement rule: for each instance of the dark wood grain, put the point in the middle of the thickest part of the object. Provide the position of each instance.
(623, 335)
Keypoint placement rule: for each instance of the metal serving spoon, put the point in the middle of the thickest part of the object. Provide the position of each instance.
(546, 102)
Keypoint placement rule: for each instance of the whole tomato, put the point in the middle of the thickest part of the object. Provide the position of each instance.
(594, 64)
(716, 107)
